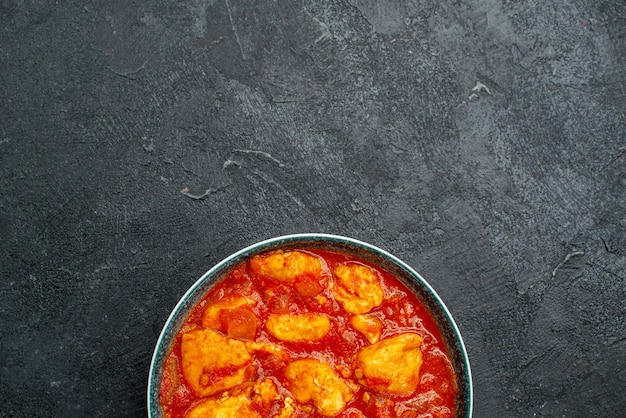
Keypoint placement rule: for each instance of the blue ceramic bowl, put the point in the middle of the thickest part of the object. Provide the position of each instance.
(365, 251)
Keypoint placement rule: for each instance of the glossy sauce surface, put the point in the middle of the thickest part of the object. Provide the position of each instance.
(312, 327)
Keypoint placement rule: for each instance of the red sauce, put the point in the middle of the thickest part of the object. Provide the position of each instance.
(401, 311)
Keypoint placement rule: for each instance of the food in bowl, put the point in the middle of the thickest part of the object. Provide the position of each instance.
(308, 332)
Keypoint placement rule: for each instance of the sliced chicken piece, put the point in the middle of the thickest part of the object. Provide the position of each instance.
(239, 406)
(212, 362)
(370, 326)
(231, 315)
(303, 271)
(264, 393)
(391, 365)
(302, 327)
(357, 288)
(317, 382)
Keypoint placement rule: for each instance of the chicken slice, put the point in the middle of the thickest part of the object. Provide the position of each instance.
(212, 315)
(302, 327)
(264, 393)
(391, 365)
(368, 325)
(212, 362)
(239, 406)
(316, 381)
(286, 266)
(357, 288)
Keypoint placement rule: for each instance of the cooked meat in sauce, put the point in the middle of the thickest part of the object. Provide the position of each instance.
(308, 333)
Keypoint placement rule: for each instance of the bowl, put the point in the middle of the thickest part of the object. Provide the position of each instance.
(365, 251)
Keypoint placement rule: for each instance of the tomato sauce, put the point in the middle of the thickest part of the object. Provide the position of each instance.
(400, 312)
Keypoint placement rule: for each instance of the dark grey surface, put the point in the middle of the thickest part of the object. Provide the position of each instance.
(482, 142)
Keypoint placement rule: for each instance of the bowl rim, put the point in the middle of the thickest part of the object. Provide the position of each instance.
(259, 246)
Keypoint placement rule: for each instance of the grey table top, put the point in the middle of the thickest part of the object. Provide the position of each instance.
(482, 142)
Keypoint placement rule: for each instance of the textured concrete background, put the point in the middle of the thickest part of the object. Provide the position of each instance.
(481, 141)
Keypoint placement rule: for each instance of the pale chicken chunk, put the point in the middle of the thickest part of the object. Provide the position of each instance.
(286, 266)
(264, 393)
(302, 327)
(392, 365)
(212, 315)
(370, 326)
(357, 288)
(239, 406)
(232, 315)
(212, 362)
(317, 382)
